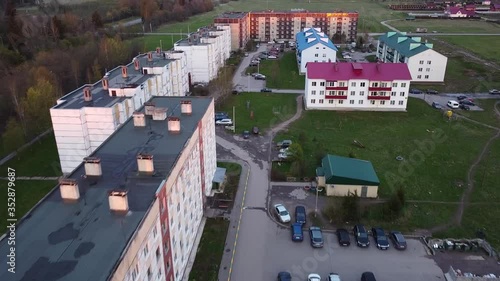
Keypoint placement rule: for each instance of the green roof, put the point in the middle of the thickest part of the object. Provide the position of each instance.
(405, 45)
(344, 170)
(320, 172)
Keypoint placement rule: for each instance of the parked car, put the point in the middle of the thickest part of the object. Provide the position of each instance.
(464, 107)
(316, 237)
(333, 277)
(461, 97)
(272, 57)
(227, 122)
(221, 115)
(284, 276)
(297, 234)
(283, 150)
(398, 240)
(368, 276)
(235, 92)
(415, 91)
(300, 214)
(282, 213)
(246, 134)
(255, 130)
(313, 277)
(453, 104)
(361, 236)
(266, 90)
(494, 92)
(284, 144)
(432, 92)
(380, 238)
(246, 54)
(284, 155)
(466, 102)
(437, 105)
(260, 77)
(343, 237)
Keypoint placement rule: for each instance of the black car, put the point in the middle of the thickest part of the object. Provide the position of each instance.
(415, 91)
(398, 239)
(246, 134)
(255, 130)
(380, 238)
(266, 90)
(361, 236)
(368, 276)
(464, 107)
(432, 92)
(300, 214)
(466, 102)
(284, 276)
(235, 92)
(221, 115)
(461, 97)
(297, 234)
(343, 236)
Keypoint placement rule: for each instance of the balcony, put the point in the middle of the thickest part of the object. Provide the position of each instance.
(336, 88)
(344, 97)
(379, 89)
(372, 97)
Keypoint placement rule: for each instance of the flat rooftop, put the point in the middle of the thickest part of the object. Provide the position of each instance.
(84, 240)
(232, 15)
(101, 97)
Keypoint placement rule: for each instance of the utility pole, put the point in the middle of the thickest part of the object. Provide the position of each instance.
(234, 121)
(161, 47)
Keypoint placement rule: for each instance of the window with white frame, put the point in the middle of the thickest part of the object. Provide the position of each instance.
(322, 84)
(330, 101)
(341, 102)
(400, 102)
(382, 102)
(331, 93)
(372, 102)
(313, 84)
(362, 93)
(340, 93)
(362, 84)
(428, 62)
(403, 85)
(383, 85)
(426, 77)
(341, 84)
(353, 84)
(331, 84)
(393, 102)
(401, 94)
(419, 76)
(313, 101)
(316, 55)
(394, 84)
(313, 92)
(324, 55)
(393, 94)
(320, 101)
(351, 101)
(427, 70)
(360, 101)
(321, 93)
(135, 272)
(421, 62)
(166, 247)
(374, 84)
(420, 69)
(154, 231)
(353, 93)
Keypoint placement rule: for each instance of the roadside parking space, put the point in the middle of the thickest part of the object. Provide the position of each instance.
(443, 100)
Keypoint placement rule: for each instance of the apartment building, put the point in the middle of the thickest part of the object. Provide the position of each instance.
(238, 22)
(83, 119)
(425, 64)
(357, 86)
(206, 51)
(132, 210)
(265, 26)
(313, 45)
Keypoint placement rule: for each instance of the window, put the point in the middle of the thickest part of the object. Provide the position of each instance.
(374, 84)
(392, 102)
(157, 253)
(168, 266)
(429, 62)
(421, 62)
(322, 84)
(145, 251)
(341, 84)
(341, 102)
(166, 247)
(393, 93)
(426, 76)
(353, 84)
(427, 70)
(331, 93)
(313, 101)
(330, 101)
(154, 232)
(382, 102)
(313, 84)
(313, 92)
(400, 102)
(362, 84)
(178, 207)
(419, 76)
(403, 85)
(135, 272)
(316, 55)
(353, 93)
(401, 94)
(394, 84)
(351, 101)
(383, 85)
(315, 60)
(113, 93)
(360, 101)
(420, 69)
(331, 84)
(324, 55)
(362, 93)
(320, 101)
(340, 93)
(321, 93)
(159, 274)
(372, 102)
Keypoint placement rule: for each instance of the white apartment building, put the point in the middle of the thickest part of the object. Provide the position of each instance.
(312, 45)
(83, 119)
(133, 209)
(357, 86)
(207, 51)
(425, 64)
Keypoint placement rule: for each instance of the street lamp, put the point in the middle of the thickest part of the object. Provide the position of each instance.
(316, 204)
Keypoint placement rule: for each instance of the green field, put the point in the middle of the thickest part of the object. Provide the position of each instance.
(484, 46)
(447, 26)
(431, 172)
(488, 116)
(282, 73)
(268, 109)
(486, 176)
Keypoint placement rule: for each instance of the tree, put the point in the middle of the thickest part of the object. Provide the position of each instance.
(39, 99)
(360, 41)
(343, 38)
(97, 20)
(13, 137)
(113, 52)
(296, 154)
(148, 7)
(350, 207)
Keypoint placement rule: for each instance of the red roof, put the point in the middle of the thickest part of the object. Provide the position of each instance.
(346, 70)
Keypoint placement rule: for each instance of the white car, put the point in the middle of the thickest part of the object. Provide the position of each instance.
(284, 155)
(272, 57)
(333, 277)
(453, 104)
(283, 150)
(282, 213)
(313, 277)
(224, 122)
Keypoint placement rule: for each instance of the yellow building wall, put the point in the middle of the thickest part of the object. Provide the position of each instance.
(320, 181)
(344, 190)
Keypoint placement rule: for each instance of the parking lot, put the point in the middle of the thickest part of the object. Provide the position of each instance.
(443, 99)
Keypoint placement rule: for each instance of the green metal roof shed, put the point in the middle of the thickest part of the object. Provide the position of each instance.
(349, 171)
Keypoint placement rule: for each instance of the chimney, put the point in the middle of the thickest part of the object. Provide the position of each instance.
(145, 163)
(336, 66)
(149, 108)
(105, 82)
(69, 189)
(124, 71)
(150, 56)
(160, 114)
(139, 119)
(158, 50)
(137, 64)
(174, 124)
(186, 107)
(118, 200)
(93, 166)
(87, 94)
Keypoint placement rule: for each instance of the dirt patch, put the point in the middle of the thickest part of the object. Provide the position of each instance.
(478, 263)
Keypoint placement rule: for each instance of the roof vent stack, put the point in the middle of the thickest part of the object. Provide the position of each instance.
(139, 119)
(149, 108)
(160, 114)
(145, 163)
(124, 72)
(118, 201)
(105, 82)
(158, 50)
(150, 57)
(87, 94)
(174, 124)
(137, 64)
(186, 107)
(69, 189)
(93, 166)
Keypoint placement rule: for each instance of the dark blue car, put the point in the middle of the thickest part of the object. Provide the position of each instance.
(297, 234)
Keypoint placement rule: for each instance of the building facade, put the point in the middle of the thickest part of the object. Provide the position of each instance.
(133, 209)
(425, 64)
(206, 51)
(265, 26)
(357, 86)
(313, 45)
(83, 119)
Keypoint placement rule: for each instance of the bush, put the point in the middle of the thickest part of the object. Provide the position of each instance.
(350, 208)
(277, 175)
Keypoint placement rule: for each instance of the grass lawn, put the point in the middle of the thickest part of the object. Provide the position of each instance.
(484, 46)
(429, 172)
(151, 42)
(487, 116)
(486, 177)
(40, 159)
(28, 193)
(447, 26)
(209, 255)
(268, 109)
(282, 73)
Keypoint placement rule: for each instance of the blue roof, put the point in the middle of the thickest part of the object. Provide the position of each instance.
(406, 45)
(310, 37)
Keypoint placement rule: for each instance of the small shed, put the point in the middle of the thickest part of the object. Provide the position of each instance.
(342, 176)
(219, 179)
